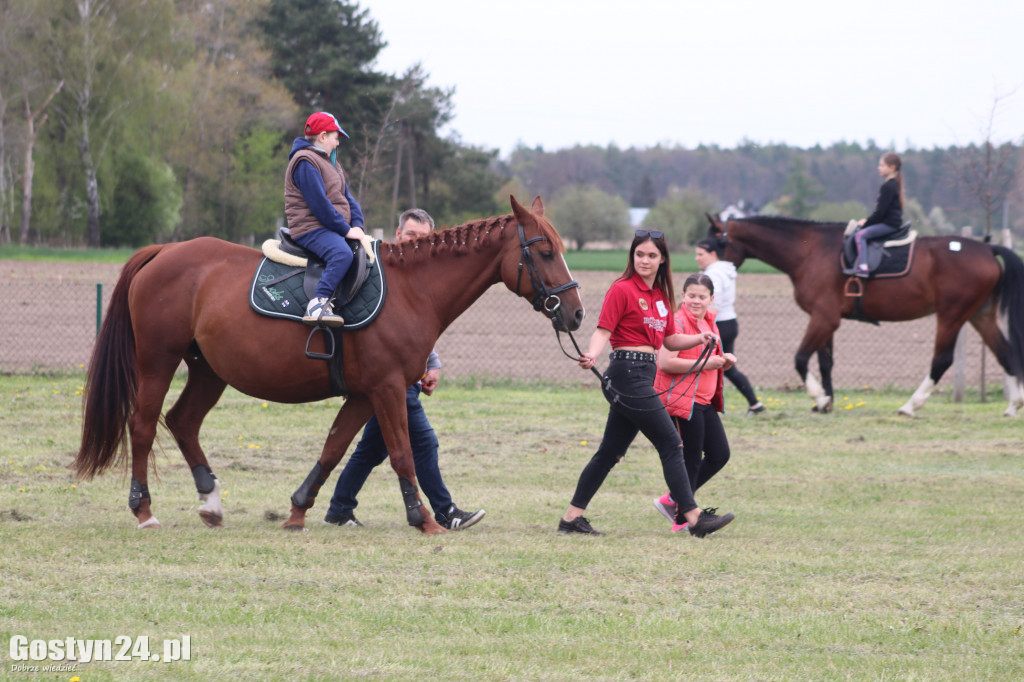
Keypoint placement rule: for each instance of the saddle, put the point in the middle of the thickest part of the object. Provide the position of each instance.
(888, 256)
(286, 278)
(349, 285)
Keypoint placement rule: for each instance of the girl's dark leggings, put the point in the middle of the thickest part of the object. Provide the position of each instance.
(635, 408)
(730, 329)
(705, 447)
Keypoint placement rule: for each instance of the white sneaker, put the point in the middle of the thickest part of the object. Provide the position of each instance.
(320, 312)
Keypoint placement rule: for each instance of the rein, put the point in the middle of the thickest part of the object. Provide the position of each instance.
(547, 300)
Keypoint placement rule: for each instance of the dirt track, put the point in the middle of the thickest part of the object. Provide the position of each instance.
(500, 335)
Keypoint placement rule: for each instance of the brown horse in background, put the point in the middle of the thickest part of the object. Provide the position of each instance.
(960, 280)
(189, 301)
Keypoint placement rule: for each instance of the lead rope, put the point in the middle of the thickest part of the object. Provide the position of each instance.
(606, 382)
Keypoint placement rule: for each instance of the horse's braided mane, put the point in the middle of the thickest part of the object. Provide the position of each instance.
(783, 222)
(461, 239)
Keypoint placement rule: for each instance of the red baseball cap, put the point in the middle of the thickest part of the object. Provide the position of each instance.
(322, 122)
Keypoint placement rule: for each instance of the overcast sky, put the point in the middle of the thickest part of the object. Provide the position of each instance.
(636, 73)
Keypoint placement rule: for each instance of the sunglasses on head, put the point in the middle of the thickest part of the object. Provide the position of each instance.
(653, 234)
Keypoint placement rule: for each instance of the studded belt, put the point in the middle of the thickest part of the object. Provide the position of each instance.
(634, 355)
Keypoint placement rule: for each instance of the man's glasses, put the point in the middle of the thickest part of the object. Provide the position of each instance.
(653, 234)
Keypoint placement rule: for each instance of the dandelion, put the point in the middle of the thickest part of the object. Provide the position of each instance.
(264, 404)
(583, 442)
(774, 432)
(860, 404)
(21, 490)
(848, 407)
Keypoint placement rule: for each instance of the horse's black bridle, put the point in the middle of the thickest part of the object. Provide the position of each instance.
(544, 299)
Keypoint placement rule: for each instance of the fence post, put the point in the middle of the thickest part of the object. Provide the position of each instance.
(960, 350)
(99, 306)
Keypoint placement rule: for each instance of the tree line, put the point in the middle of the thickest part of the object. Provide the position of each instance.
(126, 122)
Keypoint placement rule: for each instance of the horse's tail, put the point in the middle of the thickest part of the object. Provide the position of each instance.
(1012, 305)
(111, 385)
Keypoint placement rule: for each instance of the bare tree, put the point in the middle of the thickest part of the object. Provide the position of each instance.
(986, 173)
(33, 121)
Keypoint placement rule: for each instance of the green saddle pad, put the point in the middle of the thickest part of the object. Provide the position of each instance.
(277, 292)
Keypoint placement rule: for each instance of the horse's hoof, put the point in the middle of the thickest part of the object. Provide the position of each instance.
(431, 529)
(212, 520)
(293, 527)
(905, 411)
(149, 524)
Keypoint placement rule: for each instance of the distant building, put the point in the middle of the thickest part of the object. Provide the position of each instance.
(636, 216)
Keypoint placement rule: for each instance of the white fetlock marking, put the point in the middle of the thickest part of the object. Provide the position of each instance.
(920, 397)
(211, 500)
(815, 390)
(151, 522)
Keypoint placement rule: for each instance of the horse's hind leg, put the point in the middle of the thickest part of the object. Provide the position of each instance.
(142, 425)
(202, 391)
(984, 321)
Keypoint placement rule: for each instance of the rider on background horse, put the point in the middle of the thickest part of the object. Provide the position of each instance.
(888, 215)
(320, 211)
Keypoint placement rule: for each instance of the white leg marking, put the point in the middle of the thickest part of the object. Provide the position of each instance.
(920, 397)
(815, 390)
(151, 522)
(212, 509)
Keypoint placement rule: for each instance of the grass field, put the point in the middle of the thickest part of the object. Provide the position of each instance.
(577, 260)
(866, 547)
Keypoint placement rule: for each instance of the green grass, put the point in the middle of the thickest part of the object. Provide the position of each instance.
(866, 546)
(46, 253)
(577, 260)
(616, 261)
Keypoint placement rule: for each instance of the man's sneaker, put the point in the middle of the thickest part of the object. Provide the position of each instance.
(456, 519)
(344, 519)
(319, 311)
(667, 506)
(577, 525)
(709, 522)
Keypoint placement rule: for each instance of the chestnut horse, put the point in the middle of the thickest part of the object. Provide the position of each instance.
(189, 301)
(959, 280)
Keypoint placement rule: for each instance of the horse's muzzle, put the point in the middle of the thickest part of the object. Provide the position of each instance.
(565, 320)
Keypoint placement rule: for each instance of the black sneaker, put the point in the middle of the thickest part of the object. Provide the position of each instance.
(756, 409)
(344, 519)
(456, 519)
(709, 522)
(577, 525)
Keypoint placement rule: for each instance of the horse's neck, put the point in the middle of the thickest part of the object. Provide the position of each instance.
(791, 251)
(450, 276)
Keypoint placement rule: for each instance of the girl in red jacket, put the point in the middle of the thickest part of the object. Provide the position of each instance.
(695, 400)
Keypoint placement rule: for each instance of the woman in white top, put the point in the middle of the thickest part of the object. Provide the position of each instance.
(723, 274)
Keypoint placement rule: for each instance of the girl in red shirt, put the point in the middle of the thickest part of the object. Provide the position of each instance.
(636, 319)
(695, 400)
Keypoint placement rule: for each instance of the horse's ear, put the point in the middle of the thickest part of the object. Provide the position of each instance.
(716, 224)
(518, 209)
(538, 205)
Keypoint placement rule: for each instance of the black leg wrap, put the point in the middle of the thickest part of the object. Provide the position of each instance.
(137, 494)
(305, 496)
(413, 506)
(204, 478)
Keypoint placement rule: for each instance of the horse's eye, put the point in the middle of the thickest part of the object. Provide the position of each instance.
(547, 255)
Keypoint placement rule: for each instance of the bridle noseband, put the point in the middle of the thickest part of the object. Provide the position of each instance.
(544, 299)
